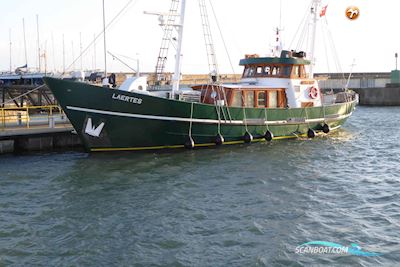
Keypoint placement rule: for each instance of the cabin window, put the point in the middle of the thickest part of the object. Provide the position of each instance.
(303, 72)
(296, 71)
(249, 99)
(246, 72)
(282, 103)
(272, 99)
(250, 72)
(237, 99)
(261, 99)
(275, 71)
(267, 70)
(259, 71)
(286, 71)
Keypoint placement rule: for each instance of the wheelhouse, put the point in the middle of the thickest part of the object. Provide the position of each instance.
(290, 65)
(267, 82)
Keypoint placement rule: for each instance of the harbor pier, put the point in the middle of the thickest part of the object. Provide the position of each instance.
(35, 128)
(373, 88)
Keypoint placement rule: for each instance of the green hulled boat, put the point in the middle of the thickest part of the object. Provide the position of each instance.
(275, 99)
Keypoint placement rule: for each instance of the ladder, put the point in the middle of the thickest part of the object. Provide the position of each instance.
(168, 27)
(211, 56)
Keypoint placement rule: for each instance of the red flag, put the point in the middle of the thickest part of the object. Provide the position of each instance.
(323, 11)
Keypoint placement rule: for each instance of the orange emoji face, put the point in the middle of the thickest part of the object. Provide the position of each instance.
(352, 12)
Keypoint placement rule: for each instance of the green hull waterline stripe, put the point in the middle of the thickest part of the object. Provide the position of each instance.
(208, 121)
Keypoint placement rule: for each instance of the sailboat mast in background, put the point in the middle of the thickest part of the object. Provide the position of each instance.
(105, 46)
(38, 43)
(26, 54)
(10, 50)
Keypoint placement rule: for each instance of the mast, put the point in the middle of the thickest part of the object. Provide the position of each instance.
(314, 14)
(209, 43)
(38, 42)
(10, 51)
(105, 44)
(178, 61)
(26, 54)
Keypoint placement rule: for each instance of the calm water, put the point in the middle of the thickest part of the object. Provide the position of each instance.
(233, 206)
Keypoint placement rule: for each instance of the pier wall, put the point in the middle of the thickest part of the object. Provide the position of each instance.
(39, 141)
(384, 96)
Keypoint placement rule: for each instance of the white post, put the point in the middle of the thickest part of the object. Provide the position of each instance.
(178, 62)
(314, 10)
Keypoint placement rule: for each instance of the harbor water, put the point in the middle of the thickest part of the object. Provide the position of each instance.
(244, 205)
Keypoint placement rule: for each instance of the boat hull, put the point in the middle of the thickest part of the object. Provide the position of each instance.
(114, 120)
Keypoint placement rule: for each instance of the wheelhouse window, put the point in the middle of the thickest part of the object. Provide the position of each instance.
(259, 71)
(276, 71)
(299, 71)
(296, 71)
(249, 72)
(286, 71)
(267, 71)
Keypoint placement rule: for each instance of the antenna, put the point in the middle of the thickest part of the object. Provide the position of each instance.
(38, 41)
(280, 14)
(26, 54)
(395, 55)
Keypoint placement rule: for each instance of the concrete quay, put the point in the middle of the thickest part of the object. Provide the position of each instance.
(38, 138)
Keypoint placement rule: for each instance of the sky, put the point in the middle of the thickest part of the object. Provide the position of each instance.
(369, 42)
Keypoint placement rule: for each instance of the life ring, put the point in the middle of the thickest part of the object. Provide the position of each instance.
(313, 92)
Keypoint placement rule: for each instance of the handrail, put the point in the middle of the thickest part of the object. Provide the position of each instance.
(25, 117)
